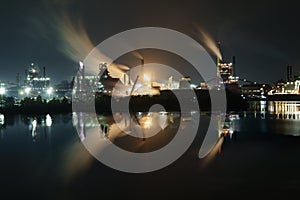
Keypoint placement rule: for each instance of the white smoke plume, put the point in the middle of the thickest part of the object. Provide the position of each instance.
(72, 38)
(208, 42)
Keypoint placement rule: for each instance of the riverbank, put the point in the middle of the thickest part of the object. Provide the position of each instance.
(167, 98)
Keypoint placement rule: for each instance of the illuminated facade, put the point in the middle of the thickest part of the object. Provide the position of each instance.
(34, 80)
(286, 88)
(227, 71)
(36, 84)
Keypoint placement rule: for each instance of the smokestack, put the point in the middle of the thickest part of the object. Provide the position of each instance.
(125, 79)
(289, 73)
(233, 66)
(18, 80)
(219, 45)
(44, 72)
(25, 78)
(129, 82)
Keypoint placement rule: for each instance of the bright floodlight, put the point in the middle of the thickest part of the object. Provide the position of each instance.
(27, 90)
(81, 65)
(49, 90)
(147, 77)
(2, 90)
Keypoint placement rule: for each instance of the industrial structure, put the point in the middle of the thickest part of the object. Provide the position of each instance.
(291, 86)
(34, 84)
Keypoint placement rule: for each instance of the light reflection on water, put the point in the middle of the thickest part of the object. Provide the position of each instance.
(141, 125)
(145, 128)
(288, 110)
(281, 117)
(146, 125)
(66, 159)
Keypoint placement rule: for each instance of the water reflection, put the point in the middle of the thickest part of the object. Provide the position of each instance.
(258, 109)
(155, 128)
(32, 128)
(141, 125)
(48, 120)
(282, 117)
(36, 125)
(2, 125)
(39, 125)
(288, 110)
(1, 119)
(231, 125)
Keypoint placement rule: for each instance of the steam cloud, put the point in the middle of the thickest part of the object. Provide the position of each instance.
(72, 38)
(209, 42)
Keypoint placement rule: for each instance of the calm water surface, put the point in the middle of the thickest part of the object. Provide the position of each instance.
(42, 157)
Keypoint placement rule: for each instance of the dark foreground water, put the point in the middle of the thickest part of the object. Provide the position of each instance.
(42, 157)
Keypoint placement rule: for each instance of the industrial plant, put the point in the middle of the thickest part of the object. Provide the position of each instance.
(35, 82)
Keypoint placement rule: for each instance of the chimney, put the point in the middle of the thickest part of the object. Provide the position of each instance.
(125, 79)
(44, 72)
(18, 80)
(129, 82)
(233, 66)
(25, 78)
(289, 73)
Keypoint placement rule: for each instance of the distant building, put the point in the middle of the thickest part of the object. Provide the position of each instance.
(36, 83)
(252, 90)
(255, 90)
(185, 83)
(64, 89)
(291, 87)
(34, 79)
(226, 70)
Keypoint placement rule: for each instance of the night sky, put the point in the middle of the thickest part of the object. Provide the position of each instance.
(263, 35)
